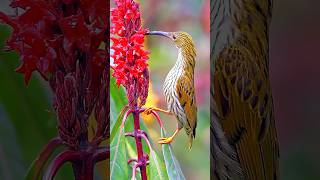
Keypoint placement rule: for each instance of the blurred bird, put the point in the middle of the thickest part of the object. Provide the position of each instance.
(179, 86)
(244, 142)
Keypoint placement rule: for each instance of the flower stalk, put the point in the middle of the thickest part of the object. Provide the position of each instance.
(141, 158)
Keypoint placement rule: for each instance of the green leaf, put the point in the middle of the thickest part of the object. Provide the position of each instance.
(131, 154)
(118, 123)
(172, 165)
(118, 94)
(9, 150)
(156, 168)
(118, 160)
(118, 101)
(27, 109)
(118, 154)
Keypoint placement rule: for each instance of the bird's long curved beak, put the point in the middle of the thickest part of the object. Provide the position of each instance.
(159, 33)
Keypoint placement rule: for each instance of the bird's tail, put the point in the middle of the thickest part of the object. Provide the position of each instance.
(191, 137)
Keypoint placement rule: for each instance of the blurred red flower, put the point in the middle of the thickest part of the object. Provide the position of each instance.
(61, 40)
(51, 34)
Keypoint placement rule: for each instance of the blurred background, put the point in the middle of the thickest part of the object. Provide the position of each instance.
(192, 17)
(27, 119)
(295, 79)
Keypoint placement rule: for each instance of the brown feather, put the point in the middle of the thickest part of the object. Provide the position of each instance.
(248, 120)
(242, 92)
(186, 97)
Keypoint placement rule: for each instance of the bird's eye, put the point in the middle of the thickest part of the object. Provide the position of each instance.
(174, 37)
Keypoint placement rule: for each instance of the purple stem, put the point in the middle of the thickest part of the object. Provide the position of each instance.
(83, 169)
(141, 159)
(125, 118)
(82, 162)
(147, 140)
(134, 169)
(58, 161)
(157, 117)
(132, 160)
(45, 154)
(102, 153)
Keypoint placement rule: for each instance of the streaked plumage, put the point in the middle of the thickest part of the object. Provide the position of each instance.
(179, 86)
(244, 139)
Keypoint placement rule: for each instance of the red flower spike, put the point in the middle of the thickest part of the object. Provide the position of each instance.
(130, 59)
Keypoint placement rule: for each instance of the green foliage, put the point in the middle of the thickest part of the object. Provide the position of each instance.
(118, 154)
(119, 157)
(156, 169)
(26, 119)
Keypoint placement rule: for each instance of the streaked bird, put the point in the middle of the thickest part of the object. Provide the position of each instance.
(179, 86)
(244, 142)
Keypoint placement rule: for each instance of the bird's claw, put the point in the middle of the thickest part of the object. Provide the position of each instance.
(148, 110)
(165, 140)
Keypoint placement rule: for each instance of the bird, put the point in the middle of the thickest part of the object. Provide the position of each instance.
(244, 143)
(178, 86)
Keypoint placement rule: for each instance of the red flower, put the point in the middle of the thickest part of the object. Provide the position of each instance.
(49, 34)
(130, 59)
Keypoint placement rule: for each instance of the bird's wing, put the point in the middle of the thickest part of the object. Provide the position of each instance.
(244, 102)
(186, 97)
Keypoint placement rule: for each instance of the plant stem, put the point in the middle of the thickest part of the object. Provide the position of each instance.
(83, 169)
(139, 144)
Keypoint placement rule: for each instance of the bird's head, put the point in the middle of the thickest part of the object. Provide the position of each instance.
(181, 39)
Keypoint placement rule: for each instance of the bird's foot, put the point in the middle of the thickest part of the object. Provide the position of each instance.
(165, 140)
(148, 110)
